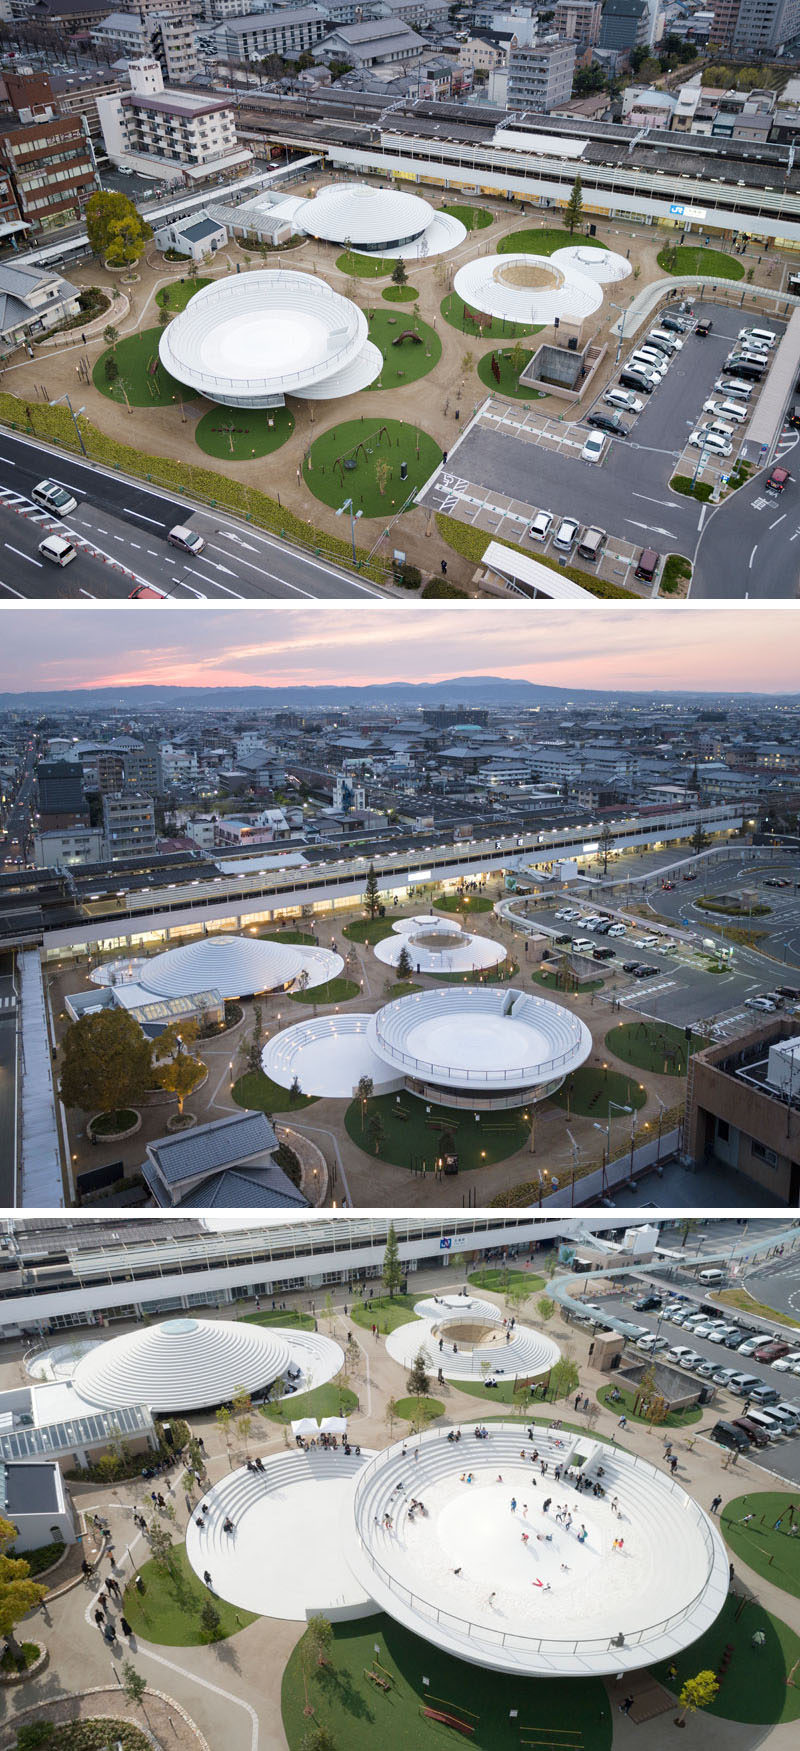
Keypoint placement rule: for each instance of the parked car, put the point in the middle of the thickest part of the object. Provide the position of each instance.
(636, 380)
(771, 1351)
(52, 496)
(648, 564)
(758, 1436)
(623, 398)
(565, 534)
(646, 1302)
(728, 1435)
(605, 422)
(539, 530)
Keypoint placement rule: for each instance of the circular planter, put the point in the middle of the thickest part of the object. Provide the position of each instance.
(181, 1122)
(111, 1136)
(9, 1679)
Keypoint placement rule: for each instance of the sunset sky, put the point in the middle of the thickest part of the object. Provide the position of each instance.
(751, 648)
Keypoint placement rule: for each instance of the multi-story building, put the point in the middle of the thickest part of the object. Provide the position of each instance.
(172, 134)
(625, 24)
(12, 223)
(67, 847)
(755, 27)
(481, 54)
(540, 74)
(165, 34)
(288, 33)
(60, 797)
(377, 42)
(33, 299)
(129, 825)
(743, 1107)
(578, 19)
(52, 169)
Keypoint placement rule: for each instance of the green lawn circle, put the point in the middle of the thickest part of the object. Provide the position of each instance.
(508, 382)
(454, 310)
(391, 440)
(168, 1609)
(400, 294)
(463, 903)
(754, 1688)
(474, 218)
(544, 239)
(712, 264)
(364, 267)
(412, 1133)
(384, 1311)
(428, 1409)
(409, 360)
(146, 382)
(329, 1400)
(657, 1046)
(258, 1093)
(369, 929)
(176, 296)
(334, 991)
(359, 1715)
(589, 1089)
(623, 1406)
(500, 1280)
(254, 431)
(774, 1555)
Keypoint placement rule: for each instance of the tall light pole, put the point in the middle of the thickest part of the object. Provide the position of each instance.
(348, 506)
(74, 420)
(623, 313)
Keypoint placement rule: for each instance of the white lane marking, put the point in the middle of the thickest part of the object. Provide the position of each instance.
(12, 592)
(215, 583)
(67, 487)
(28, 556)
(752, 557)
(778, 520)
(129, 510)
(8, 462)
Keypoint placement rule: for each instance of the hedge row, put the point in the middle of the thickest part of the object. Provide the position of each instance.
(677, 570)
(472, 544)
(691, 489)
(55, 425)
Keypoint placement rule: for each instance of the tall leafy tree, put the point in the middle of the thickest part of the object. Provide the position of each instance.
(107, 209)
(392, 1273)
(106, 1062)
(18, 1593)
(574, 209)
(371, 892)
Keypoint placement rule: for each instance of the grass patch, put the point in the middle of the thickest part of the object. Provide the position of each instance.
(359, 1716)
(400, 294)
(376, 449)
(747, 1303)
(509, 367)
(739, 475)
(240, 434)
(773, 1553)
(588, 1091)
(29, 1651)
(409, 360)
(754, 1688)
(334, 991)
(554, 981)
(113, 1124)
(475, 322)
(168, 1609)
(294, 936)
(472, 543)
(439, 587)
(677, 572)
(419, 1410)
(730, 908)
(370, 930)
(623, 1406)
(384, 1311)
(713, 264)
(463, 903)
(176, 296)
(654, 1045)
(288, 1316)
(472, 218)
(141, 375)
(260, 1094)
(519, 1393)
(502, 1281)
(364, 267)
(405, 988)
(692, 489)
(543, 240)
(323, 1401)
(411, 1136)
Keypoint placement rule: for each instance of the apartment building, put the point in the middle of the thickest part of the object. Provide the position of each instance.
(540, 75)
(176, 135)
(755, 27)
(289, 33)
(166, 35)
(578, 20)
(129, 825)
(52, 169)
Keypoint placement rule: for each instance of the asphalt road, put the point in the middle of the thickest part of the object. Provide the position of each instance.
(780, 929)
(126, 525)
(747, 547)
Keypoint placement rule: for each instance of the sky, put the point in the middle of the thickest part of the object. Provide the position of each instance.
(750, 648)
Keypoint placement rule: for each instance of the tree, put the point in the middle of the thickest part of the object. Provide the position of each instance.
(399, 275)
(134, 1686)
(223, 1422)
(18, 1593)
(418, 1383)
(371, 900)
(106, 1063)
(242, 1406)
(320, 1635)
(573, 211)
(699, 839)
(126, 241)
(318, 1738)
(697, 1693)
(390, 1415)
(563, 1378)
(467, 364)
(516, 358)
(210, 1621)
(545, 1307)
(107, 210)
(162, 1548)
(364, 1089)
(404, 965)
(392, 1273)
(111, 369)
(383, 474)
(606, 842)
(178, 1072)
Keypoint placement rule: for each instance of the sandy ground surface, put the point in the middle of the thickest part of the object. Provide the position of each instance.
(440, 403)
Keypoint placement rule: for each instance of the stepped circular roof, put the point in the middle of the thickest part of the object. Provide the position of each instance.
(480, 1037)
(603, 266)
(249, 338)
(363, 216)
(181, 1364)
(530, 289)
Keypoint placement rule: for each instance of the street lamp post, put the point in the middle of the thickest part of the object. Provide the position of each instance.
(74, 419)
(623, 313)
(348, 506)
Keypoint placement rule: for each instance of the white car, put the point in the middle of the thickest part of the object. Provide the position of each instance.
(593, 448)
(726, 410)
(749, 1345)
(624, 399)
(787, 1364)
(652, 363)
(566, 534)
(704, 439)
(617, 930)
(540, 528)
(53, 497)
(760, 337)
(763, 1004)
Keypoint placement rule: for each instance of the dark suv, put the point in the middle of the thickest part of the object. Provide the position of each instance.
(608, 422)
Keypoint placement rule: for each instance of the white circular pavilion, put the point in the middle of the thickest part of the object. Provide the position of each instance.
(438, 945)
(469, 1339)
(604, 266)
(378, 221)
(486, 1572)
(529, 289)
(481, 1046)
(235, 966)
(251, 339)
(183, 1364)
(327, 1055)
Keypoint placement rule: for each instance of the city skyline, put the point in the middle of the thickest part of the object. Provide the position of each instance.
(746, 649)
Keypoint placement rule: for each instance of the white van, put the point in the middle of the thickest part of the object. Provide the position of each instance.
(617, 930)
(583, 945)
(769, 1425)
(762, 337)
(725, 430)
(711, 1276)
(665, 340)
(58, 550)
(737, 386)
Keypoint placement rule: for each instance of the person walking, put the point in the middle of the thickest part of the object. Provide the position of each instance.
(716, 1505)
(626, 1705)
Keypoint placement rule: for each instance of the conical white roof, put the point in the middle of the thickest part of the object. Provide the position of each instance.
(181, 1364)
(235, 966)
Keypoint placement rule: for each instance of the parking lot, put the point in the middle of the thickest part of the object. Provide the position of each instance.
(515, 461)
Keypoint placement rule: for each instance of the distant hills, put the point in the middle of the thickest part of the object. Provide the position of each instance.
(466, 690)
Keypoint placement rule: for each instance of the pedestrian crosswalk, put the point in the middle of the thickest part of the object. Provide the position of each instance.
(636, 993)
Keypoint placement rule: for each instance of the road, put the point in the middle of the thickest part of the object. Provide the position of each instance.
(122, 528)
